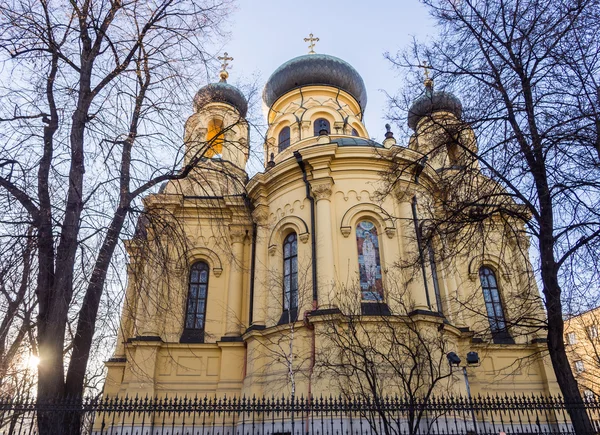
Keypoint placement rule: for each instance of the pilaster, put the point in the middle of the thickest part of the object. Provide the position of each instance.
(143, 366)
(260, 216)
(415, 285)
(233, 323)
(321, 190)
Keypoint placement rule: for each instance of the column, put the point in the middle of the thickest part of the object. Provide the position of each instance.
(150, 290)
(128, 312)
(414, 274)
(321, 190)
(455, 298)
(233, 322)
(259, 304)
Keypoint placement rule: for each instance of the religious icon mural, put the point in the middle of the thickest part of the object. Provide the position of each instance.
(369, 264)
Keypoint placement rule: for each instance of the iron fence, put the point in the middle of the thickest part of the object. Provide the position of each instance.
(298, 416)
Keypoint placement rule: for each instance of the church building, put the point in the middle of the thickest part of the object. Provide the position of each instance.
(235, 283)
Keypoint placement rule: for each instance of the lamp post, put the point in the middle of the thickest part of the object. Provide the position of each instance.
(472, 361)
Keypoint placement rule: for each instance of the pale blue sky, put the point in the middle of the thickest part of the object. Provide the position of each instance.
(266, 33)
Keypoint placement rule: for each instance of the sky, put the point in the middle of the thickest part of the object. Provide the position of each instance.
(266, 33)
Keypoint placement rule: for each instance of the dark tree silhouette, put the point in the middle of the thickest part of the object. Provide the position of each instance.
(87, 127)
(528, 76)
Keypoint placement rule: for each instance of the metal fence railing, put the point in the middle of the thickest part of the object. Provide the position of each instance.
(295, 416)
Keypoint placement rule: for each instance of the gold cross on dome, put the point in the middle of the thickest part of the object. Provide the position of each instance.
(225, 58)
(425, 66)
(312, 41)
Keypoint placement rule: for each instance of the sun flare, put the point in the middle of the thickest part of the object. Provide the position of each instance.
(33, 361)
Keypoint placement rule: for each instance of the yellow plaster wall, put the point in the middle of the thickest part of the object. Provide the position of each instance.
(343, 182)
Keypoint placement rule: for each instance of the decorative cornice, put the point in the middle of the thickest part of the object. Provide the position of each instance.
(260, 214)
(321, 188)
(403, 193)
(390, 232)
(238, 233)
(303, 237)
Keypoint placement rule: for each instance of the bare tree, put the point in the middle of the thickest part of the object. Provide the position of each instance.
(290, 296)
(87, 126)
(371, 356)
(527, 73)
(18, 349)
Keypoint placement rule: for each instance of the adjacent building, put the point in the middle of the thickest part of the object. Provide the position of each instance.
(583, 348)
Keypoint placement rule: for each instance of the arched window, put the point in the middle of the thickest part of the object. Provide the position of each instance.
(214, 138)
(195, 312)
(284, 138)
(369, 263)
(354, 132)
(290, 275)
(493, 304)
(321, 124)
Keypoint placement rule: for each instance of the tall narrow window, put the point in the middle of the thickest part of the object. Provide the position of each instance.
(493, 304)
(214, 138)
(195, 312)
(284, 138)
(434, 278)
(369, 263)
(321, 126)
(290, 275)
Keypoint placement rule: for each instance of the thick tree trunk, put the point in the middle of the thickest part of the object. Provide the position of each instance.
(55, 296)
(556, 343)
(560, 363)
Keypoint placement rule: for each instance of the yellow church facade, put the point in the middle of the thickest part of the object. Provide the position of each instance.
(235, 285)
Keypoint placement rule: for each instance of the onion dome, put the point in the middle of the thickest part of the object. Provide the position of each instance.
(315, 69)
(221, 92)
(431, 102)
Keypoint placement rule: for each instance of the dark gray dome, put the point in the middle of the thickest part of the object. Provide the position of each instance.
(315, 69)
(221, 92)
(433, 101)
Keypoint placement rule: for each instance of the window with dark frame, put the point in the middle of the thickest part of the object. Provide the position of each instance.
(434, 278)
(284, 139)
(290, 273)
(195, 311)
(493, 303)
(321, 124)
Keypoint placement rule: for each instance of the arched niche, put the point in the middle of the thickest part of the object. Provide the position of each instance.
(497, 264)
(358, 127)
(207, 255)
(367, 210)
(286, 120)
(293, 222)
(328, 113)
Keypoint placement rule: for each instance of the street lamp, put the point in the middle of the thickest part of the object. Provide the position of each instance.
(472, 361)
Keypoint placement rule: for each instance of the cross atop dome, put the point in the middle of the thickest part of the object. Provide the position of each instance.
(312, 41)
(428, 81)
(225, 58)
